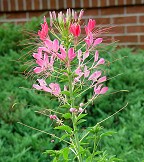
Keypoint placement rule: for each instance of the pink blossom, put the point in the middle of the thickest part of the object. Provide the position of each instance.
(96, 56)
(71, 54)
(75, 29)
(55, 88)
(90, 26)
(101, 61)
(85, 55)
(97, 41)
(49, 45)
(55, 45)
(42, 86)
(63, 54)
(86, 72)
(44, 31)
(80, 110)
(81, 14)
(81, 104)
(89, 39)
(44, 63)
(99, 90)
(53, 117)
(72, 110)
(102, 79)
(95, 76)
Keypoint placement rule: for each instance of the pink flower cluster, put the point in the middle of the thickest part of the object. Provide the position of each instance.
(64, 50)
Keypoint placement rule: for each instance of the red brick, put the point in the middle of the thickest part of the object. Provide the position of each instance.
(120, 2)
(138, 2)
(107, 39)
(53, 4)
(135, 29)
(135, 9)
(103, 3)
(86, 3)
(112, 11)
(126, 39)
(69, 4)
(36, 5)
(125, 20)
(13, 5)
(44, 4)
(129, 2)
(141, 19)
(101, 21)
(77, 4)
(112, 2)
(61, 4)
(28, 5)
(16, 15)
(118, 29)
(5, 5)
(91, 12)
(20, 5)
(94, 3)
(142, 38)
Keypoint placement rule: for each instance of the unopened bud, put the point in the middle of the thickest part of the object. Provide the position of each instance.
(81, 104)
(81, 110)
(73, 110)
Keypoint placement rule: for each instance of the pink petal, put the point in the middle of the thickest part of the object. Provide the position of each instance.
(104, 90)
(96, 56)
(42, 82)
(38, 70)
(85, 55)
(36, 86)
(71, 54)
(95, 75)
(79, 54)
(101, 61)
(86, 72)
(102, 79)
(55, 45)
(37, 55)
(40, 62)
(46, 89)
(97, 41)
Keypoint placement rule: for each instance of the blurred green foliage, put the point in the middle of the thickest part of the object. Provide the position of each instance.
(18, 102)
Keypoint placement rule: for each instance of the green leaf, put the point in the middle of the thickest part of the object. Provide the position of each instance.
(64, 127)
(67, 93)
(55, 159)
(64, 136)
(81, 116)
(81, 121)
(65, 106)
(109, 133)
(66, 115)
(65, 153)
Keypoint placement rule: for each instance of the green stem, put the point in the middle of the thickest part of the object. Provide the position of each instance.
(76, 139)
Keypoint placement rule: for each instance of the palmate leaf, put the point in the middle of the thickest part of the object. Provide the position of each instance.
(65, 128)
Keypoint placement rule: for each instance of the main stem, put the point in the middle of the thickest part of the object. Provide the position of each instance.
(77, 142)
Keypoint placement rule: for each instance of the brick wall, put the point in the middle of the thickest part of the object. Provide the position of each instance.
(125, 16)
